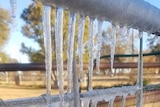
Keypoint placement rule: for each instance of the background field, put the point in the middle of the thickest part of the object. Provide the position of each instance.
(32, 86)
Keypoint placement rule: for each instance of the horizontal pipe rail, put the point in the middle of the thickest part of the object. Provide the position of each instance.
(131, 55)
(137, 14)
(40, 101)
(41, 66)
(129, 65)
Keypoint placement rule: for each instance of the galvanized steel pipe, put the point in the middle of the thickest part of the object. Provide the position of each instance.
(136, 14)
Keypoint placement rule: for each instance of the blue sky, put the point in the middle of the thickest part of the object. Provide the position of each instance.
(16, 38)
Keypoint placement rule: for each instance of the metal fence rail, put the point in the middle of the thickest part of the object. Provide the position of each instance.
(40, 101)
(41, 66)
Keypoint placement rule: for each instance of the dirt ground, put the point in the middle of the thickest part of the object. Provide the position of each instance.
(36, 88)
(10, 91)
(13, 92)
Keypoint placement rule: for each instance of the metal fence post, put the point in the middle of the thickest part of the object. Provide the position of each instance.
(140, 74)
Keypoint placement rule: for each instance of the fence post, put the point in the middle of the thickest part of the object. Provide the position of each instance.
(140, 74)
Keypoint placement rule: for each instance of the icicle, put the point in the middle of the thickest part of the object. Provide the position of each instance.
(91, 56)
(111, 101)
(48, 50)
(59, 52)
(124, 100)
(99, 45)
(71, 34)
(80, 45)
(112, 48)
(13, 8)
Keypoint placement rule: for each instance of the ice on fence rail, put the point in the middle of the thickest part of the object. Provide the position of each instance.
(71, 35)
(81, 45)
(59, 52)
(48, 50)
(13, 4)
(99, 45)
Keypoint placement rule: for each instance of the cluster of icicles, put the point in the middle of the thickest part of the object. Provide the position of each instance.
(108, 95)
(93, 46)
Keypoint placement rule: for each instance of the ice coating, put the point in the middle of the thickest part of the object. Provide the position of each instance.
(55, 104)
(59, 52)
(86, 97)
(13, 4)
(71, 34)
(48, 50)
(140, 35)
(108, 94)
(120, 12)
(91, 51)
(148, 34)
(99, 45)
(124, 33)
(80, 45)
(112, 48)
